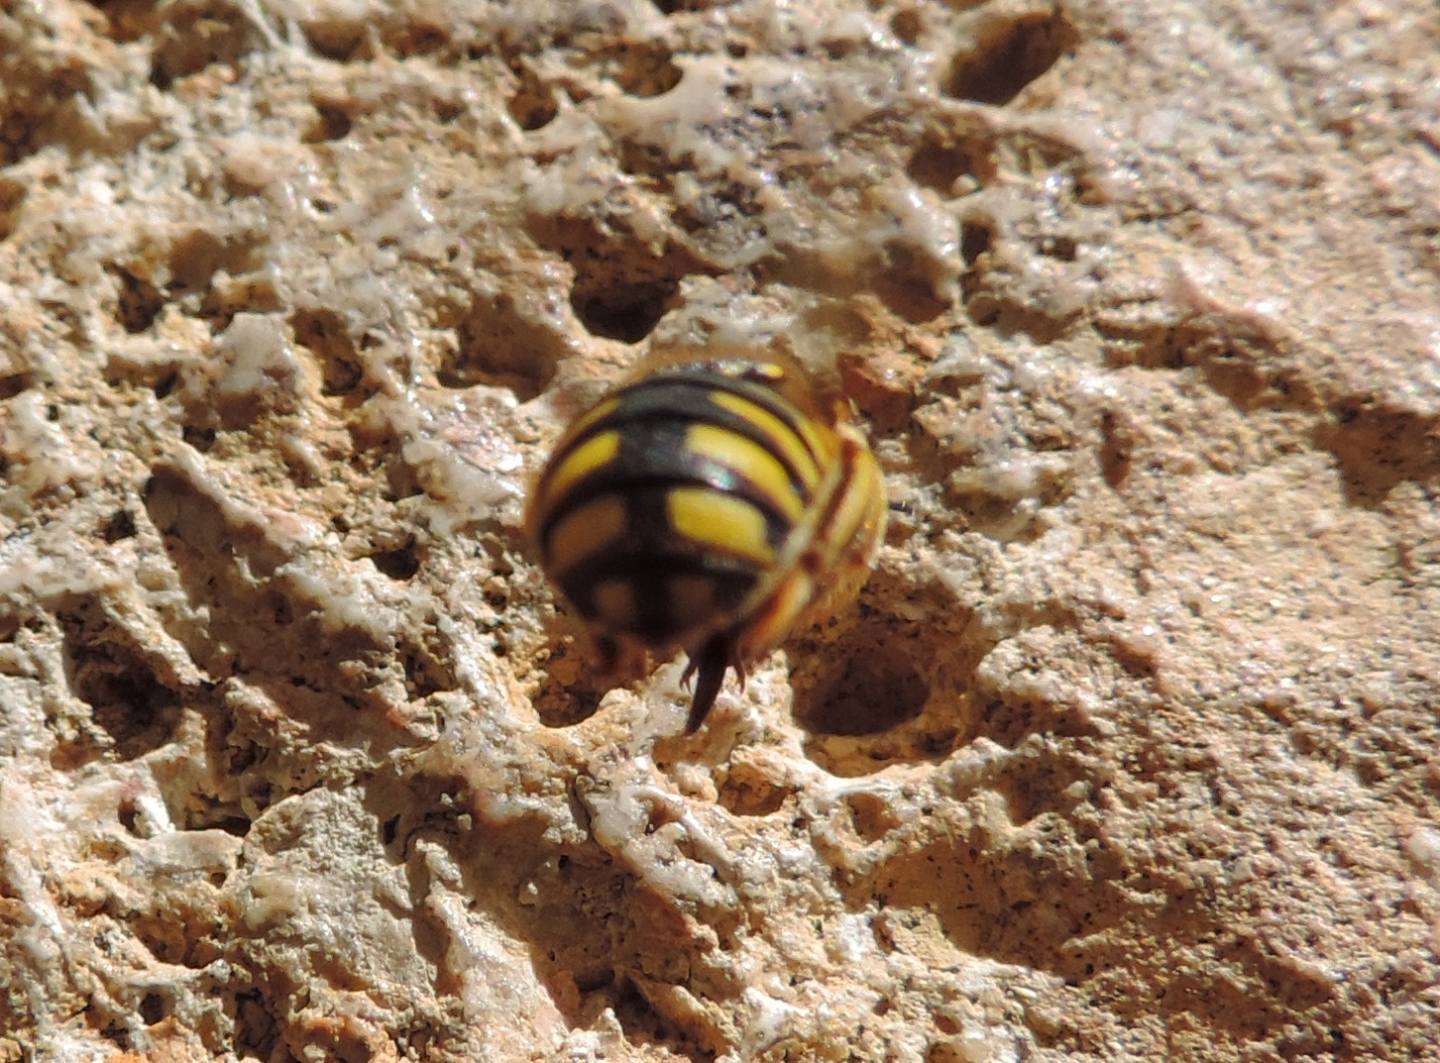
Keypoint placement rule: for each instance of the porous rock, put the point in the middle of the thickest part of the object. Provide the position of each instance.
(1128, 749)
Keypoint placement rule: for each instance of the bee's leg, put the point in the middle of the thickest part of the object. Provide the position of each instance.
(737, 662)
(710, 663)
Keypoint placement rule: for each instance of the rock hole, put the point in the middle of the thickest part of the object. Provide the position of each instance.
(501, 345)
(675, 7)
(126, 20)
(589, 980)
(119, 525)
(871, 816)
(256, 1031)
(138, 302)
(1117, 448)
(237, 826)
(202, 439)
(1379, 445)
(425, 673)
(112, 1031)
(399, 563)
(153, 1008)
(14, 384)
(624, 312)
(751, 789)
(975, 239)
(106, 670)
(572, 687)
(646, 69)
(622, 285)
(1008, 55)
(642, 1023)
(533, 104)
(1065, 248)
(196, 35)
(866, 685)
(939, 163)
(448, 112)
(12, 193)
(325, 335)
(907, 24)
(565, 706)
(197, 256)
(340, 39)
(28, 114)
(946, 1052)
(418, 36)
(331, 122)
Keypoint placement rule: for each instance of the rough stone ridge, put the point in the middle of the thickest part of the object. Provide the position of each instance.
(1129, 750)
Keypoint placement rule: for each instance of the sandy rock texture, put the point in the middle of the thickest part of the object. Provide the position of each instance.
(1128, 750)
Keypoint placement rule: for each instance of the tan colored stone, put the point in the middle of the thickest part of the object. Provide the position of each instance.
(1128, 750)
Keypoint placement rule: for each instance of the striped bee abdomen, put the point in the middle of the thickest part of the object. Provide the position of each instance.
(637, 575)
(669, 513)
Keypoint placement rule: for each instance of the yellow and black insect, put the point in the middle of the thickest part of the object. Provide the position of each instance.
(711, 506)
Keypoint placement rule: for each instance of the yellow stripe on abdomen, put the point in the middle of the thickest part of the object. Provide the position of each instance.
(593, 454)
(712, 520)
(750, 460)
(780, 437)
(584, 532)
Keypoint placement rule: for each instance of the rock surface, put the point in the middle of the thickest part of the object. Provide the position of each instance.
(1129, 749)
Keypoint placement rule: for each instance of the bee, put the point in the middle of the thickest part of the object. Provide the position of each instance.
(710, 505)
